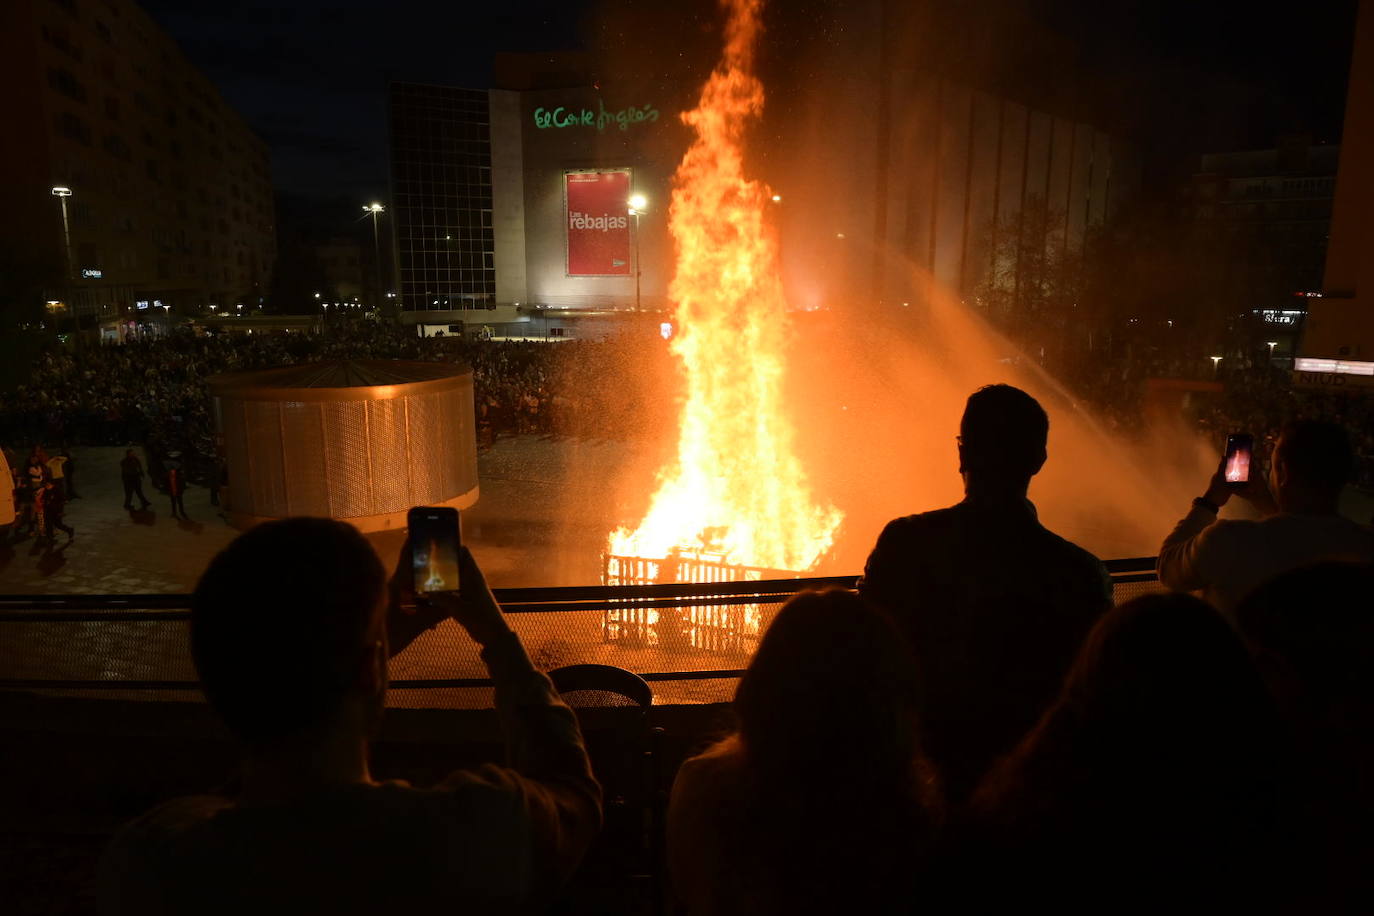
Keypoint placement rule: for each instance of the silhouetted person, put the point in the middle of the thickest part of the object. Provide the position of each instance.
(819, 802)
(290, 633)
(131, 472)
(1226, 559)
(1154, 784)
(176, 485)
(1311, 632)
(50, 503)
(994, 605)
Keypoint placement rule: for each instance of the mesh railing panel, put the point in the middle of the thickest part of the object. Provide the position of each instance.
(691, 647)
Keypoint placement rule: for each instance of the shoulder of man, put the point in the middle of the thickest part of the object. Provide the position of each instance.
(1080, 563)
(921, 524)
(143, 850)
(888, 569)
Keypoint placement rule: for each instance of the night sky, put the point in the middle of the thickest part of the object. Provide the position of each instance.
(311, 76)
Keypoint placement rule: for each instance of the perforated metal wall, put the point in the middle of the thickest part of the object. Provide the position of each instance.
(365, 454)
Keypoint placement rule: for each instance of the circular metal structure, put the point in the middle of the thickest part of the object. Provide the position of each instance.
(358, 440)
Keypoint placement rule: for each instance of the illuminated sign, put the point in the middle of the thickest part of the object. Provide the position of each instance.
(1333, 366)
(92, 273)
(602, 119)
(597, 223)
(1279, 316)
(141, 304)
(1312, 372)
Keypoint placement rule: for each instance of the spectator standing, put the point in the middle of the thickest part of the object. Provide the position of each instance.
(819, 802)
(37, 471)
(131, 472)
(57, 469)
(291, 629)
(1158, 776)
(50, 502)
(176, 484)
(1301, 524)
(1312, 635)
(994, 605)
(68, 468)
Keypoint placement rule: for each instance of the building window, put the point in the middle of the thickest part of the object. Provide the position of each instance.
(115, 146)
(60, 39)
(62, 81)
(73, 128)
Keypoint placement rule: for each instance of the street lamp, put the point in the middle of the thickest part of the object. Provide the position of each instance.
(638, 204)
(375, 209)
(62, 192)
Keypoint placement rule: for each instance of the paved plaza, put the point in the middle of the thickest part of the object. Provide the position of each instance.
(543, 516)
(538, 522)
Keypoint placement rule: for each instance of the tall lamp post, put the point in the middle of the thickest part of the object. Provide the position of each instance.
(638, 204)
(376, 209)
(62, 192)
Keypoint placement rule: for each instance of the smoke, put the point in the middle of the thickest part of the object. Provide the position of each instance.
(878, 402)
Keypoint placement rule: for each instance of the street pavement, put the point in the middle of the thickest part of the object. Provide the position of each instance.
(542, 519)
(546, 507)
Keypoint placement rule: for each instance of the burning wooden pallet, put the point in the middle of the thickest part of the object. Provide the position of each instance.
(723, 624)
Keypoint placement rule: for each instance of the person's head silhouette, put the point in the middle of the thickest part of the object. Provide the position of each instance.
(288, 632)
(1002, 439)
(1312, 462)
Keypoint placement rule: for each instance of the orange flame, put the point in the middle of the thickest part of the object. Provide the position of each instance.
(736, 487)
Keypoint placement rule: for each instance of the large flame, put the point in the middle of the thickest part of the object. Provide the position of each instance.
(736, 487)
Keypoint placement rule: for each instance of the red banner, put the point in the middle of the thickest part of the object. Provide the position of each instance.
(598, 223)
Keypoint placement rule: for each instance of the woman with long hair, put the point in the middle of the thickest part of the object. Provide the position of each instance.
(819, 801)
(1158, 777)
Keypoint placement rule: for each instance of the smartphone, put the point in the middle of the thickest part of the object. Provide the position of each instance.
(434, 540)
(1240, 454)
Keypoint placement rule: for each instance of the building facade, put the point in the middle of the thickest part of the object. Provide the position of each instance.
(893, 182)
(170, 192)
(1337, 349)
(340, 261)
(441, 192)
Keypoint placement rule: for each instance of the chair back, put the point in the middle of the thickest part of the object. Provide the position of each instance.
(591, 686)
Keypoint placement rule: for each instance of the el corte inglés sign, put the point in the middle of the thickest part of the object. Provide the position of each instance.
(584, 117)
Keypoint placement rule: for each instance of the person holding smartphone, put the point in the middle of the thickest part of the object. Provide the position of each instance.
(291, 628)
(1299, 525)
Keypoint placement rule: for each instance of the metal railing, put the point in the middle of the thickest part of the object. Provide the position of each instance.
(108, 643)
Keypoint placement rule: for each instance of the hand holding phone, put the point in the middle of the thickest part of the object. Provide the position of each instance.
(475, 609)
(434, 544)
(1240, 453)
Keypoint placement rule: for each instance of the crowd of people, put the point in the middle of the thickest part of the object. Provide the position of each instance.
(153, 393)
(941, 739)
(42, 484)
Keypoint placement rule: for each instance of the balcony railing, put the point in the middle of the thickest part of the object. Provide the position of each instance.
(693, 641)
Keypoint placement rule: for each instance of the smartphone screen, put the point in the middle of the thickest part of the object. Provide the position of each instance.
(434, 543)
(1240, 450)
